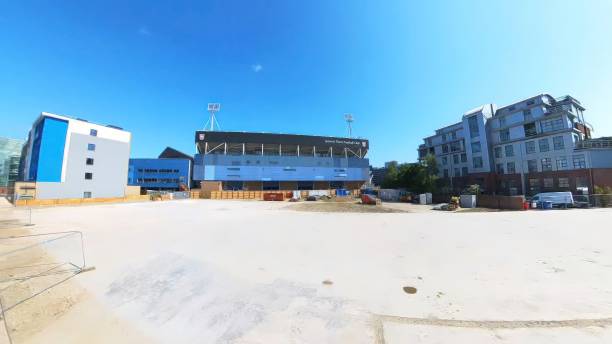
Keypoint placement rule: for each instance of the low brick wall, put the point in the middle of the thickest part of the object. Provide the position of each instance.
(500, 202)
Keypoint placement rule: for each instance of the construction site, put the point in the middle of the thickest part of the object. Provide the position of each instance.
(248, 271)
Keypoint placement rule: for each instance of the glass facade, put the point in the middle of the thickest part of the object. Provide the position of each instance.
(10, 154)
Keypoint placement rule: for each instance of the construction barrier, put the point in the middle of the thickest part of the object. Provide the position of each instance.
(500, 202)
(78, 201)
(259, 195)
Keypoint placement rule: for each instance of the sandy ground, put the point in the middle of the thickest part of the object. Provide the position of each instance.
(199, 271)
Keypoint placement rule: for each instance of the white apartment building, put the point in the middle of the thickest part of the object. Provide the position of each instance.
(504, 147)
(73, 158)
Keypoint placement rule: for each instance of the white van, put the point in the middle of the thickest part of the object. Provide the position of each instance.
(558, 199)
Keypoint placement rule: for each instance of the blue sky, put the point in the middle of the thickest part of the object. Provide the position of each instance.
(402, 68)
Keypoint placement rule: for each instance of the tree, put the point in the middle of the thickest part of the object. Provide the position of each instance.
(417, 177)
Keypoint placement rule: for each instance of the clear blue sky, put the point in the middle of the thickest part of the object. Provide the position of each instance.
(402, 68)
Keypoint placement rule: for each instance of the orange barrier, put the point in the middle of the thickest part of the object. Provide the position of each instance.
(78, 201)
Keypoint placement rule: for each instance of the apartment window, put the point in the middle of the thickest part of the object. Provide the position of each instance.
(91, 147)
(564, 182)
(443, 137)
(444, 160)
(499, 168)
(579, 161)
(473, 125)
(529, 103)
(502, 122)
(455, 159)
(511, 108)
(477, 162)
(476, 148)
(561, 163)
(454, 135)
(534, 185)
(445, 173)
(581, 182)
(530, 129)
(429, 142)
(532, 166)
(530, 147)
(456, 172)
(498, 152)
(455, 146)
(87, 194)
(549, 183)
(510, 167)
(544, 147)
(509, 151)
(444, 148)
(552, 125)
(89, 161)
(527, 113)
(464, 171)
(463, 157)
(558, 143)
(93, 132)
(546, 164)
(88, 175)
(504, 135)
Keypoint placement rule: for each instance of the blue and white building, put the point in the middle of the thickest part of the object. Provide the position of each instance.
(171, 171)
(73, 158)
(262, 161)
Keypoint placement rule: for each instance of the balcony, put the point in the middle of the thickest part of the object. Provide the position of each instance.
(562, 108)
(602, 143)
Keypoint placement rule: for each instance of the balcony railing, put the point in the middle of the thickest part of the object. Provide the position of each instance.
(587, 144)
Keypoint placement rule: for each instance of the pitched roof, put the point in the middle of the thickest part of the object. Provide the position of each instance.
(170, 152)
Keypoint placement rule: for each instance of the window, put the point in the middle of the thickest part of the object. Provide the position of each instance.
(87, 194)
(498, 152)
(233, 168)
(544, 147)
(532, 165)
(511, 108)
(530, 129)
(564, 182)
(455, 146)
(444, 160)
(579, 161)
(457, 173)
(454, 135)
(499, 168)
(546, 164)
(473, 125)
(530, 147)
(477, 162)
(91, 147)
(444, 148)
(464, 171)
(504, 135)
(90, 161)
(548, 183)
(455, 159)
(88, 175)
(529, 103)
(463, 157)
(509, 151)
(93, 132)
(443, 137)
(510, 167)
(445, 173)
(527, 113)
(561, 163)
(581, 182)
(502, 122)
(552, 125)
(476, 147)
(558, 143)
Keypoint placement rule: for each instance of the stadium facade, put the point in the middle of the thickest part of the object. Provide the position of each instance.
(263, 161)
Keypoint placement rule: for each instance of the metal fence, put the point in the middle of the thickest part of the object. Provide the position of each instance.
(597, 201)
(29, 266)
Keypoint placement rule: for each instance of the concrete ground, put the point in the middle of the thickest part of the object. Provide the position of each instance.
(200, 271)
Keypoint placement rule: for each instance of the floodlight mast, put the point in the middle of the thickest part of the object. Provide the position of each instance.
(212, 109)
(349, 120)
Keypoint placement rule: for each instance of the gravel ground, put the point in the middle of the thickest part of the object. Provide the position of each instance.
(260, 272)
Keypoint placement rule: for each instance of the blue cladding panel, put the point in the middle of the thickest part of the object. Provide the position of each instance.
(159, 173)
(50, 152)
(279, 168)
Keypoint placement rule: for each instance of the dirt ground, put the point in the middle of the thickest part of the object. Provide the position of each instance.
(200, 271)
(343, 207)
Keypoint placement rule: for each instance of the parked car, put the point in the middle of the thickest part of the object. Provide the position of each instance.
(557, 199)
